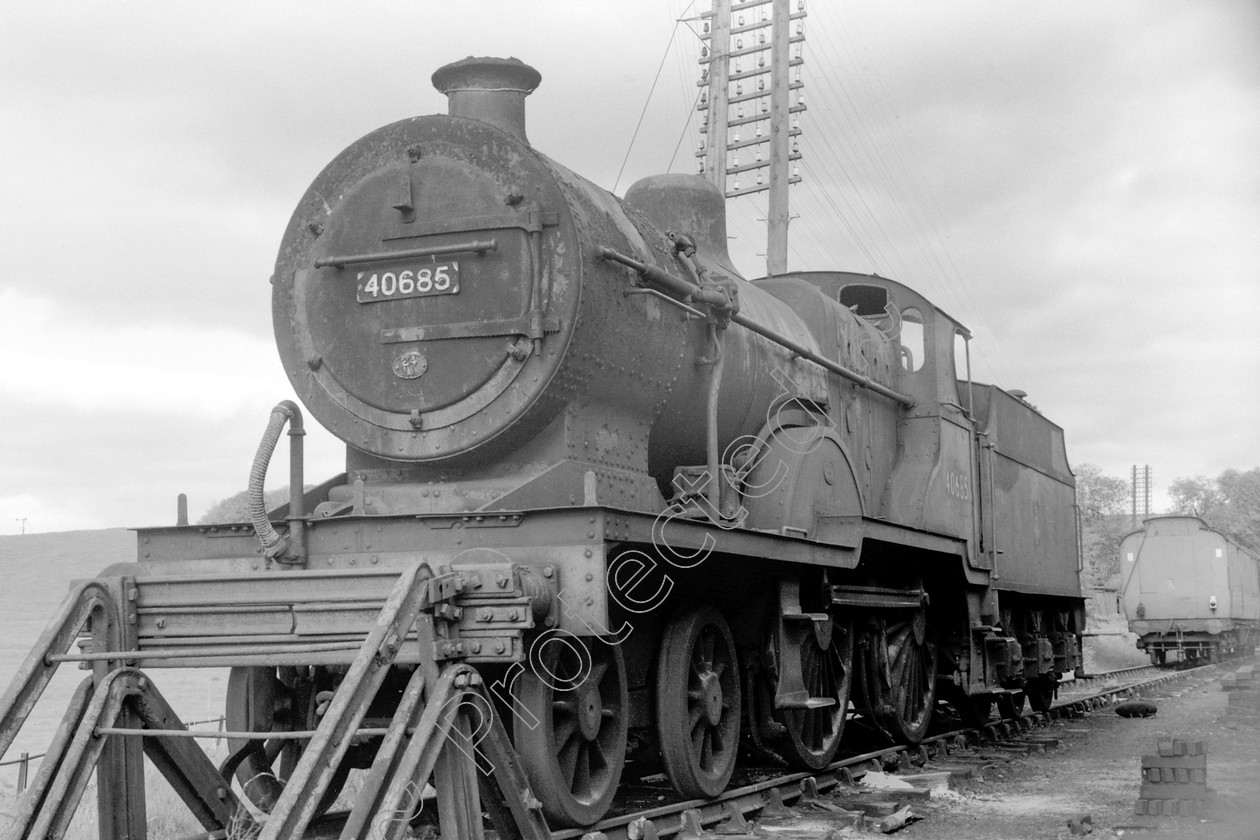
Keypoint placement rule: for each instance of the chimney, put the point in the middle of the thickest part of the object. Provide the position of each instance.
(491, 90)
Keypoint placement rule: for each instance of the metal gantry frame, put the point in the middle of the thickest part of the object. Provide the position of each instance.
(117, 717)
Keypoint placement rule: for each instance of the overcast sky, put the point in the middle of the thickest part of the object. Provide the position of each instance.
(1077, 181)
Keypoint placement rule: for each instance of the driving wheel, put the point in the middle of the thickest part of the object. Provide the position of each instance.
(898, 676)
(811, 736)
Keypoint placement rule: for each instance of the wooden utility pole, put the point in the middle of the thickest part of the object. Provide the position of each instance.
(747, 59)
(780, 151)
(719, 63)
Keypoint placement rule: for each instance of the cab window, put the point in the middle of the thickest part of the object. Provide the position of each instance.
(911, 340)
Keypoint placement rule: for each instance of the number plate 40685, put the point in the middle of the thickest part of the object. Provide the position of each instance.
(433, 279)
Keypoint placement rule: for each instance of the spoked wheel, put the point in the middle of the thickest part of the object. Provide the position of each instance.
(898, 676)
(263, 699)
(812, 736)
(697, 703)
(974, 710)
(575, 752)
(1041, 693)
(1011, 706)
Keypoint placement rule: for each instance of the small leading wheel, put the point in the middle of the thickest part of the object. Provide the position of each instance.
(697, 703)
(812, 736)
(262, 699)
(898, 676)
(575, 695)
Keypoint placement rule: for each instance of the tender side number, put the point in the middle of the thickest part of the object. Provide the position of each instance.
(435, 279)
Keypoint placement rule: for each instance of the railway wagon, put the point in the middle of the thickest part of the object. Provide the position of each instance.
(663, 515)
(1189, 592)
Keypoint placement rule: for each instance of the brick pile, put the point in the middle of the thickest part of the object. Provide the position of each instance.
(1174, 782)
(1241, 680)
(1244, 695)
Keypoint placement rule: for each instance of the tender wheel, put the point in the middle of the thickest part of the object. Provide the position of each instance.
(812, 736)
(1011, 706)
(274, 700)
(974, 710)
(898, 676)
(575, 752)
(698, 703)
(1041, 693)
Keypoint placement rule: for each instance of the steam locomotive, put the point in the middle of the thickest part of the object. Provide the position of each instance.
(678, 511)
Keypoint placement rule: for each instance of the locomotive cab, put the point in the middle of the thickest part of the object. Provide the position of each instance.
(928, 481)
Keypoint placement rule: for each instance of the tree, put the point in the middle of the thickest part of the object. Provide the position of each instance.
(1102, 500)
(1199, 496)
(1099, 495)
(1230, 503)
(236, 508)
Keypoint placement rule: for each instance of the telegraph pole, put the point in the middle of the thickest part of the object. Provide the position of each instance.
(780, 151)
(1140, 492)
(751, 48)
(718, 96)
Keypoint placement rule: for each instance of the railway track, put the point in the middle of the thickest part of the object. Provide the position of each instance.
(792, 799)
(794, 803)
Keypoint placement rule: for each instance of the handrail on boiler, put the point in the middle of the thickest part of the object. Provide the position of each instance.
(713, 297)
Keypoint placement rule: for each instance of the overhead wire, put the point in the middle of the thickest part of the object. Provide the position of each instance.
(689, 91)
(857, 175)
(867, 171)
(646, 103)
(934, 256)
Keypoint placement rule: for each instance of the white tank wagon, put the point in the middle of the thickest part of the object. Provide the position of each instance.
(1189, 593)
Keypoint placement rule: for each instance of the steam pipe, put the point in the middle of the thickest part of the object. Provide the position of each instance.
(714, 490)
(274, 545)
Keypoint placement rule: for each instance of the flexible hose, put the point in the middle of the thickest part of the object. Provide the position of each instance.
(273, 544)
